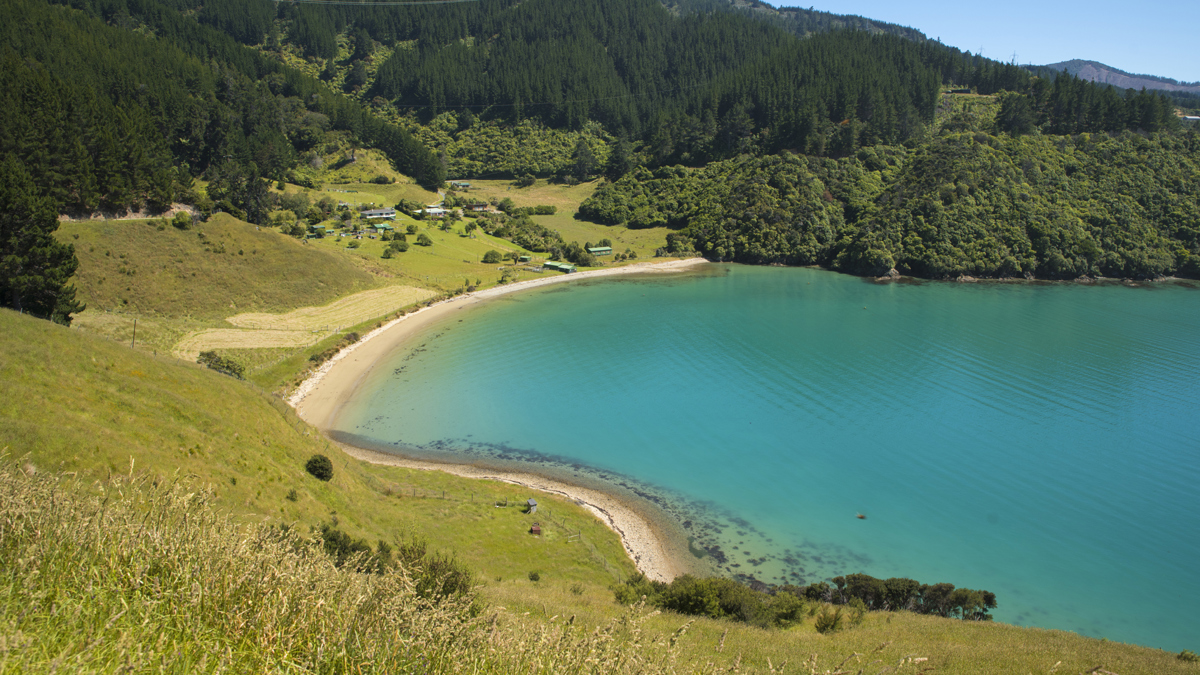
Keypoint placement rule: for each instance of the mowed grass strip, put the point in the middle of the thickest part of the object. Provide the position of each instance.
(190, 346)
(300, 327)
(347, 311)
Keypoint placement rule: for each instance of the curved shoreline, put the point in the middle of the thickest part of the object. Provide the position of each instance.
(657, 546)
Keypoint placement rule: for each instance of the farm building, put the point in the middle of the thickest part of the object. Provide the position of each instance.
(600, 250)
(565, 268)
(532, 504)
(383, 214)
(524, 258)
(380, 227)
(460, 185)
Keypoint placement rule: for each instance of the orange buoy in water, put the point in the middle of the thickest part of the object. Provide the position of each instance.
(861, 517)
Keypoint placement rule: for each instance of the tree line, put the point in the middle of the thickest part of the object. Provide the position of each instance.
(786, 605)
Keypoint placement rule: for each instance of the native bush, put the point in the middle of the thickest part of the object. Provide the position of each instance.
(221, 364)
(830, 619)
(320, 467)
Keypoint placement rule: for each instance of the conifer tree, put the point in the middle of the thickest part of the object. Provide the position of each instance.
(34, 267)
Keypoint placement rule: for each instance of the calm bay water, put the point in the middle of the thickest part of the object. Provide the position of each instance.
(1038, 441)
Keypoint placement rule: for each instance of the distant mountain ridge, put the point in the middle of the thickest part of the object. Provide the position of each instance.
(1093, 71)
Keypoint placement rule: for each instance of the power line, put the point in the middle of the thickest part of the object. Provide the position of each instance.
(397, 3)
(451, 106)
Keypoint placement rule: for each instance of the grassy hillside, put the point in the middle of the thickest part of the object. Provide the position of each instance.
(76, 403)
(176, 281)
(177, 284)
(221, 267)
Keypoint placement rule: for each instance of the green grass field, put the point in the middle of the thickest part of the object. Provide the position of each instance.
(176, 281)
(567, 199)
(453, 258)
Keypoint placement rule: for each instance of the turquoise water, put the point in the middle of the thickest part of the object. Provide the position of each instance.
(1038, 441)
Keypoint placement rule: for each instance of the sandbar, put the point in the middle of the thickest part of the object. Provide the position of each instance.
(653, 540)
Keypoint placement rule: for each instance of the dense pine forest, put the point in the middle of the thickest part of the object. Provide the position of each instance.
(822, 138)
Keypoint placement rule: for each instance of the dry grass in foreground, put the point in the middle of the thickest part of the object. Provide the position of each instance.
(137, 575)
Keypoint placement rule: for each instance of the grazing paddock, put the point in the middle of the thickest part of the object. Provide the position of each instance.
(233, 338)
(348, 311)
(301, 327)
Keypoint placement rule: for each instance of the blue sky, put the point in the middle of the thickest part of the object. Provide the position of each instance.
(1152, 37)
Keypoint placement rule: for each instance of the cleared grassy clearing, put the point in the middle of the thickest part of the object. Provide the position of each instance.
(452, 261)
(300, 327)
(356, 193)
(221, 267)
(565, 197)
(644, 242)
(174, 282)
(347, 311)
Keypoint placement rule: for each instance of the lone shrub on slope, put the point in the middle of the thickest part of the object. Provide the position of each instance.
(320, 467)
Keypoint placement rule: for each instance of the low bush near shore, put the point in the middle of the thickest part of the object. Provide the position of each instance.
(787, 605)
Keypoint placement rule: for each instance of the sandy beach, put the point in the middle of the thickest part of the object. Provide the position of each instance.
(653, 541)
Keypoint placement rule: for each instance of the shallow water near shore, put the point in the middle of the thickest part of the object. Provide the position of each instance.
(1041, 441)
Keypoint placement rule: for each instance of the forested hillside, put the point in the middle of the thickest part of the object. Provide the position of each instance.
(125, 104)
(105, 117)
(965, 203)
(684, 87)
